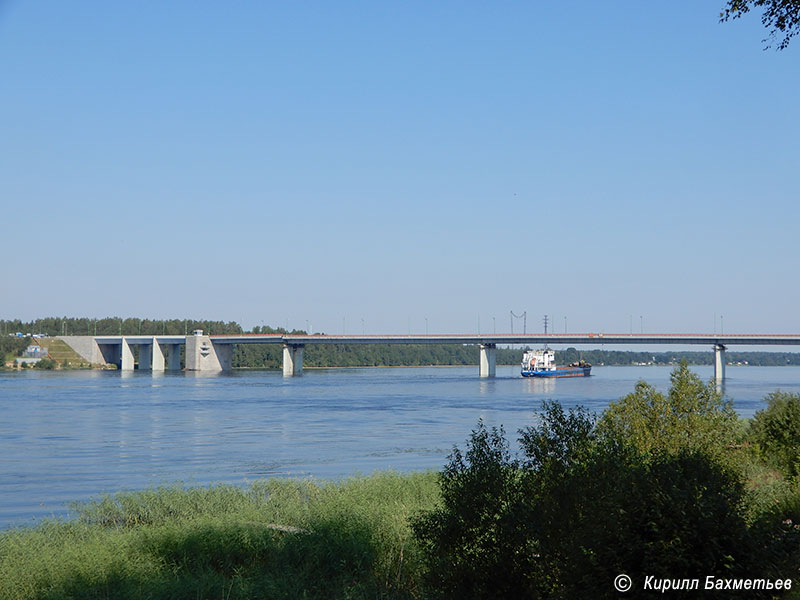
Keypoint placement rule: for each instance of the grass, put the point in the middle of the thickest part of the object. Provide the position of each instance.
(59, 350)
(273, 539)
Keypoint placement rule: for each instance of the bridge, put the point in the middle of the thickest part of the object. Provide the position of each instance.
(213, 353)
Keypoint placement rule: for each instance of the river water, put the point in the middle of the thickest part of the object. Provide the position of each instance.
(73, 435)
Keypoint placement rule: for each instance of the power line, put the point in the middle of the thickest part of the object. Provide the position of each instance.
(524, 317)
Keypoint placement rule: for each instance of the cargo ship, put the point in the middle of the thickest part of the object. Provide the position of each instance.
(542, 363)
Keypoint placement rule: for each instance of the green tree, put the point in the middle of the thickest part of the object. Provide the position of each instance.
(478, 543)
(781, 17)
(776, 431)
(570, 355)
(691, 417)
(12, 346)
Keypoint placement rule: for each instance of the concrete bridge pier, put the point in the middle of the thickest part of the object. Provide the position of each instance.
(157, 362)
(146, 356)
(174, 357)
(203, 355)
(126, 356)
(292, 360)
(719, 363)
(488, 360)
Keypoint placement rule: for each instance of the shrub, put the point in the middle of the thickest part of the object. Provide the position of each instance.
(477, 544)
(691, 417)
(776, 431)
(582, 506)
(46, 363)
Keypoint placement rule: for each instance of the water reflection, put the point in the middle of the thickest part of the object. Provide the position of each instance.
(486, 386)
(540, 386)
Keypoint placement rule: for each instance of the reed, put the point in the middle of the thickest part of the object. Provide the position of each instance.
(274, 538)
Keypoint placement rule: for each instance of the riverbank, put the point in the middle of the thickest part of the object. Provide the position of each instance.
(276, 538)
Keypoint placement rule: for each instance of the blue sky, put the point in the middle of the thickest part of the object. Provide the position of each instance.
(394, 162)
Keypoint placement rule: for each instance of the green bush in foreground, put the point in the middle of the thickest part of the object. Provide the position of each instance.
(776, 432)
(275, 539)
(580, 508)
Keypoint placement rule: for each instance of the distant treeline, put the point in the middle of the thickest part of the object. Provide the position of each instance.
(53, 326)
(369, 355)
(259, 356)
(619, 357)
(372, 355)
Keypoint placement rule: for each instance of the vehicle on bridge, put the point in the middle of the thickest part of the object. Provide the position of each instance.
(542, 363)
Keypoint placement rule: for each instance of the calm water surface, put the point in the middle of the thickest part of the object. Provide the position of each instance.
(68, 436)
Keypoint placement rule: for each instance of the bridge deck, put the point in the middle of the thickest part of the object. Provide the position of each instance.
(512, 338)
(215, 352)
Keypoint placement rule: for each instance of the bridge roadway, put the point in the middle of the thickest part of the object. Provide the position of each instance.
(214, 352)
(519, 338)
